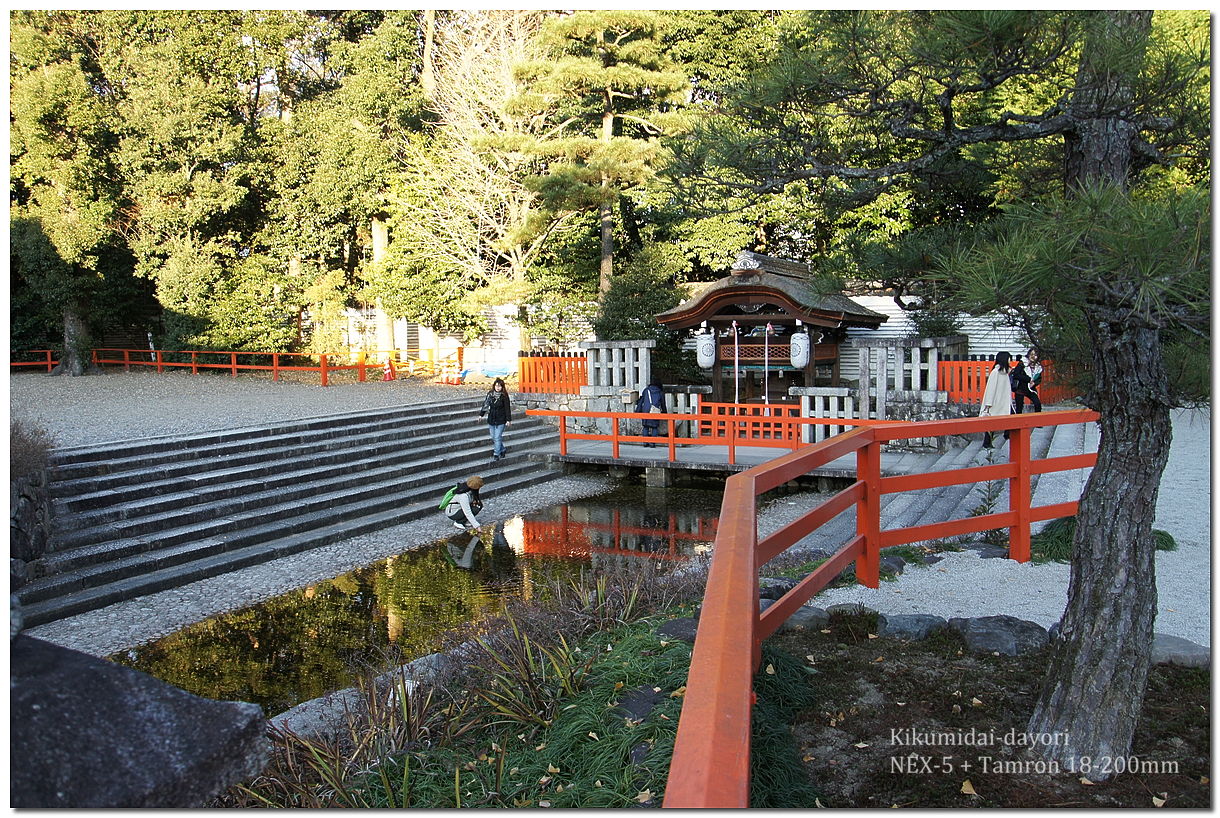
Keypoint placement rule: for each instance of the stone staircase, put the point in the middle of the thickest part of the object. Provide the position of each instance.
(914, 508)
(139, 516)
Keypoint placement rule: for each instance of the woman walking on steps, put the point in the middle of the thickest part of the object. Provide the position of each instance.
(499, 414)
(997, 396)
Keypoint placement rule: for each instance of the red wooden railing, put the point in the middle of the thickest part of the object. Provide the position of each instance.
(47, 359)
(563, 374)
(750, 428)
(273, 362)
(966, 380)
(711, 758)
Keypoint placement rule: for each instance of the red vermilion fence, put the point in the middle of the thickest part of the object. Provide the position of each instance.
(751, 428)
(42, 358)
(273, 362)
(966, 380)
(711, 758)
(562, 374)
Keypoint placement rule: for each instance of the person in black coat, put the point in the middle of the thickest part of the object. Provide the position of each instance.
(652, 400)
(499, 414)
(1019, 380)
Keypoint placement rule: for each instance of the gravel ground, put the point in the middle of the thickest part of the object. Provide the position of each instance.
(963, 584)
(84, 411)
(123, 406)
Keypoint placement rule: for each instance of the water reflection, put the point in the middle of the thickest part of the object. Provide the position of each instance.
(305, 643)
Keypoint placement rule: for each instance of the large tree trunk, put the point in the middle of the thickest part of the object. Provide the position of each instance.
(607, 207)
(74, 360)
(1094, 687)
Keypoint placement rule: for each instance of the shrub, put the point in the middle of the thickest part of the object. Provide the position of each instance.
(29, 449)
(1054, 542)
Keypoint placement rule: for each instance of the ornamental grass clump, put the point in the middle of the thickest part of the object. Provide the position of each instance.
(1054, 542)
(29, 447)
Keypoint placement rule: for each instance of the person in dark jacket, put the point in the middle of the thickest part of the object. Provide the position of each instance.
(652, 400)
(499, 414)
(1019, 380)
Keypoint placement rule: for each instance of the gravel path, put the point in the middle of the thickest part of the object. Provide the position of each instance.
(963, 584)
(117, 406)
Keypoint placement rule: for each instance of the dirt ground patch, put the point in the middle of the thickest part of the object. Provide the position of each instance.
(929, 724)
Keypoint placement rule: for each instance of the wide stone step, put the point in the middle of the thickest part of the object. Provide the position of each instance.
(234, 475)
(87, 567)
(142, 456)
(205, 516)
(147, 579)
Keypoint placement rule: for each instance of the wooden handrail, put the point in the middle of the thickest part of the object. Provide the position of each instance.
(710, 764)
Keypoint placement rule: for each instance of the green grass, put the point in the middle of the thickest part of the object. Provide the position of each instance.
(1054, 542)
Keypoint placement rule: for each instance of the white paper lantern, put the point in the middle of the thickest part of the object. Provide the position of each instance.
(798, 350)
(705, 349)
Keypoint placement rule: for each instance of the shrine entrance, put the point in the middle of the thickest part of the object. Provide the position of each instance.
(749, 319)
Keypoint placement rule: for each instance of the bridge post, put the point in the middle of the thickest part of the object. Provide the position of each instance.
(868, 515)
(658, 476)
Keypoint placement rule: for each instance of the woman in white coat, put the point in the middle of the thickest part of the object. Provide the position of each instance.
(997, 396)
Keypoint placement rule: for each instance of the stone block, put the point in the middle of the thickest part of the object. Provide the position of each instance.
(89, 733)
(1005, 635)
(909, 626)
(775, 587)
(805, 618)
(683, 628)
(1174, 650)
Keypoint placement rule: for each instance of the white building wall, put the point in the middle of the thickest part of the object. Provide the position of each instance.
(987, 335)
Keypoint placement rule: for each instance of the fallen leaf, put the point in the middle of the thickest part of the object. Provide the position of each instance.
(861, 745)
(679, 693)
(957, 708)
(811, 658)
(482, 756)
(514, 771)
(559, 788)
(1085, 781)
(593, 736)
(546, 779)
(807, 759)
(609, 648)
(825, 630)
(544, 804)
(667, 718)
(1158, 802)
(496, 747)
(551, 768)
(540, 747)
(879, 659)
(817, 802)
(957, 693)
(646, 795)
(976, 702)
(618, 685)
(770, 670)
(968, 788)
(872, 636)
(657, 690)
(598, 783)
(469, 765)
(901, 704)
(1204, 779)
(664, 644)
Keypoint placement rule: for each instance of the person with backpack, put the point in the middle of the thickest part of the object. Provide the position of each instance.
(652, 400)
(462, 501)
(499, 414)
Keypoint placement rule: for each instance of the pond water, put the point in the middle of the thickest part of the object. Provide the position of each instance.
(312, 641)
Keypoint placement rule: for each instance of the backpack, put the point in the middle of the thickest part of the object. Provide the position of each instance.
(448, 498)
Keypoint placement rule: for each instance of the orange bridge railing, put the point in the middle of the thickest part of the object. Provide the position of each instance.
(711, 758)
(966, 380)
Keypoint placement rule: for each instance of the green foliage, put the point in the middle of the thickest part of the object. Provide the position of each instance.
(778, 778)
(1148, 252)
(1054, 542)
(642, 290)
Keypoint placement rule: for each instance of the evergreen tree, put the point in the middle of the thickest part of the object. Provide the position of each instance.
(614, 90)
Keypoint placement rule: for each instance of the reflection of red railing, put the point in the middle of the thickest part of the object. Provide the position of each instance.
(564, 538)
(558, 374)
(710, 766)
(966, 380)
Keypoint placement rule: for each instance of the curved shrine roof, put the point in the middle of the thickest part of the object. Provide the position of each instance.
(757, 279)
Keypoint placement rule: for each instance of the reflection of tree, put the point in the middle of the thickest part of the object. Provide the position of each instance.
(305, 643)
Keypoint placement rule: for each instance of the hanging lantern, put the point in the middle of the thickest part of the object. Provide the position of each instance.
(705, 349)
(798, 349)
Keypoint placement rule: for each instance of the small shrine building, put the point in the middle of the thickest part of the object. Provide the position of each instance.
(750, 363)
